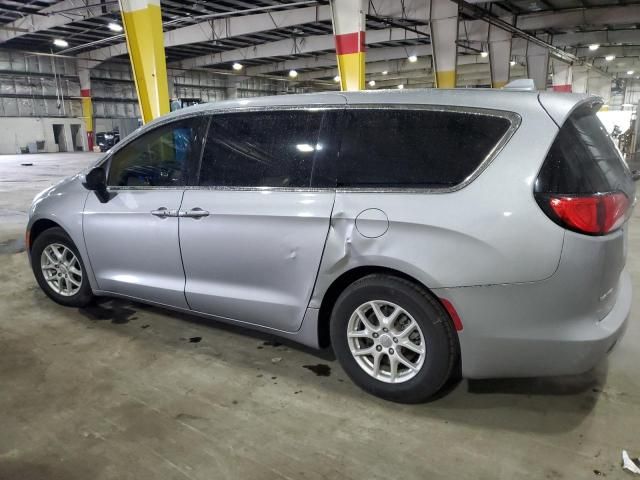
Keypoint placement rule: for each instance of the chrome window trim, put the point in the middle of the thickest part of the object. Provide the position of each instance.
(514, 118)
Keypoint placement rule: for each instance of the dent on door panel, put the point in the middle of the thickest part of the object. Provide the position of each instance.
(254, 259)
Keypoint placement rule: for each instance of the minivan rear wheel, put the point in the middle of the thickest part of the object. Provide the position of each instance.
(59, 270)
(393, 338)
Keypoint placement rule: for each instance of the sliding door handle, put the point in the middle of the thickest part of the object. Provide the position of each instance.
(164, 212)
(195, 213)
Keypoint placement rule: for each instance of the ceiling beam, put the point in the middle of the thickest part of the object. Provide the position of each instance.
(293, 46)
(474, 31)
(48, 18)
(602, 37)
(234, 26)
(394, 67)
(616, 15)
(328, 60)
(603, 51)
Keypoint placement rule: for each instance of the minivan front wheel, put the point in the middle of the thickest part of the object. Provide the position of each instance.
(59, 270)
(393, 338)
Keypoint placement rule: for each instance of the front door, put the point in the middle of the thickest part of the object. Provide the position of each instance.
(252, 232)
(132, 238)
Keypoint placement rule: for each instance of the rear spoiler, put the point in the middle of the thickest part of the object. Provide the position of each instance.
(560, 105)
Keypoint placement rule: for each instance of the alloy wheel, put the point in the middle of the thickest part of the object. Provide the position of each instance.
(386, 341)
(61, 269)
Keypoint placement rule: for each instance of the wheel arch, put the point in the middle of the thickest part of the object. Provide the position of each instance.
(38, 227)
(347, 278)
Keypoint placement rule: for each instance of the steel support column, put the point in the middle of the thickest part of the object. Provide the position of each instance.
(87, 104)
(443, 22)
(231, 88)
(580, 80)
(142, 22)
(349, 23)
(537, 64)
(562, 76)
(600, 85)
(499, 56)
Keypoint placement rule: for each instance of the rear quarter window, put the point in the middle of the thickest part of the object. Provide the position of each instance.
(398, 148)
(584, 160)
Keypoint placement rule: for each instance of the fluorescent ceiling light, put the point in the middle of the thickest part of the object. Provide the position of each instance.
(336, 78)
(400, 87)
(385, 72)
(630, 72)
(372, 83)
(237, 66)
(293, 73)
(58, 42)
(608, 58)
(512, 63)
(306, 147)
(484, 54)
(413, 58)
(115, 27)
(594, 46)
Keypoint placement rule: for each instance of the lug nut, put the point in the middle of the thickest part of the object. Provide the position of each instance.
(385, 329)
(375, 335)
(391, 351)
(378, 348)
(395, 340)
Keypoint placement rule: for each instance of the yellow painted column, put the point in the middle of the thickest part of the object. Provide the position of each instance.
(349, 30)
(443, 16)
(87, 105)
(142, 22)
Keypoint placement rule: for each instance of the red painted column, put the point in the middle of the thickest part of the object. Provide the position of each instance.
(349, 22)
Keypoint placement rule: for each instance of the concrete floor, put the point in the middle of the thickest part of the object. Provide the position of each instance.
(123, 390)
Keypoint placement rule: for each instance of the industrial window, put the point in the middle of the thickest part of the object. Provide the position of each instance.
(415, 148)
(262, 149)
(161, 157)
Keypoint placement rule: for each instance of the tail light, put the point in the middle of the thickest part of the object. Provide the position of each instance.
(584, 184)
(595, 214)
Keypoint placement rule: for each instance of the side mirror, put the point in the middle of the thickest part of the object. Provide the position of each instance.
(635, 174)
(96, 181)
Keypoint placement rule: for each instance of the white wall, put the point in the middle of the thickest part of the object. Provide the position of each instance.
(16, 132)
(612, 118)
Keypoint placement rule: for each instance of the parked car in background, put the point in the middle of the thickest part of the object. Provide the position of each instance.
(106, 140)
(418, 232)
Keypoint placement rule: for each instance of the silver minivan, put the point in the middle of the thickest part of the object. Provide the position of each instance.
(421, 233)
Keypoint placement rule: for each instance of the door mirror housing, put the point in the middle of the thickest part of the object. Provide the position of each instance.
(96, 181)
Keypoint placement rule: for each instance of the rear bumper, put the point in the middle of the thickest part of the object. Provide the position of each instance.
(524, 330)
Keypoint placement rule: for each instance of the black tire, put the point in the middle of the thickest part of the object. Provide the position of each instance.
(442, 350)
(84, 295)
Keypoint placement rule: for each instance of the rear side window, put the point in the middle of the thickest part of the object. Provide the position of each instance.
(584, 160)
(263, 149)
(415, 148)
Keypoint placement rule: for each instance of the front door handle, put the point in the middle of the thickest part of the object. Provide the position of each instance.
(164, 212)
(195, 213)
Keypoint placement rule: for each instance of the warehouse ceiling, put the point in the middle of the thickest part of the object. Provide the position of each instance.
(33, 25)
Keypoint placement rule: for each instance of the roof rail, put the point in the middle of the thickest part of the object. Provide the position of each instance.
(522, 85)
